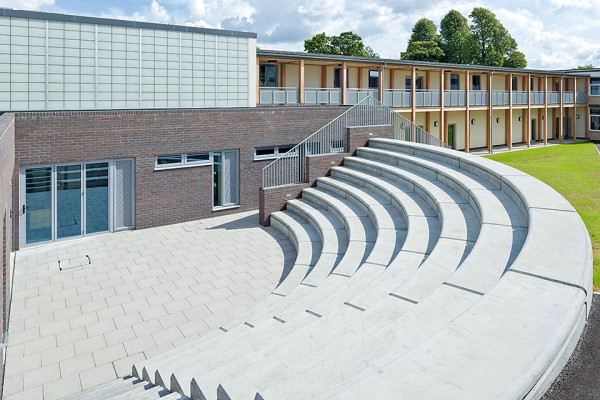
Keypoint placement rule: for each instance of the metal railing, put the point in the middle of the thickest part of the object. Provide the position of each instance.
(500, 97)
(519, 97)
(568, 97)
(537, 97)
(581, 98)
(553, 97)
(397, 98)
(322, 96)
(290, 168)
(278, 95)
(455, 98)
(355, 96)
(427, 98)
(478, 98)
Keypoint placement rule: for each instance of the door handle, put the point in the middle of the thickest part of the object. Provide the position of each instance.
(24, 209)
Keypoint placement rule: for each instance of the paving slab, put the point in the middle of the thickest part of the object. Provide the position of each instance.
(144, 293)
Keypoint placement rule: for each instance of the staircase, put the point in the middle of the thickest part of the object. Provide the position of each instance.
(421, 273)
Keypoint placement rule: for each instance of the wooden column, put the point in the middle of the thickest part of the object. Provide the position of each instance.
(467, 114)
(510, 111)
(553, 129)
(545, 125)
(427, 123)
(360, 78)
(561, 111)
(257, 81)
(489, 113)
(413, 95)
(282, 75)
(587, 108)
(343, 83)
(301, 82)
(391, 79)
(426, 80)
(323, 76)
(443, 127)
(380, 82)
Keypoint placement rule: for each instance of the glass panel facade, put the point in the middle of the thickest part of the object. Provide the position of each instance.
(68, 201)
(123, 194)
(38, 203)
(96, 197)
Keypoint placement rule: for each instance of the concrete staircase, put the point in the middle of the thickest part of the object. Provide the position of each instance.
(421, 273)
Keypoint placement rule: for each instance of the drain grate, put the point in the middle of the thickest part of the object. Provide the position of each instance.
(74, 262)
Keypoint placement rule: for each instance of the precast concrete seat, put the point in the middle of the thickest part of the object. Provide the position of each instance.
(422, 273)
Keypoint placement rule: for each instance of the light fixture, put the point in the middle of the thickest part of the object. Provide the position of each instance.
(436, 123)
(520, 118)
(473, 121)
(577, 116)
(497, 120)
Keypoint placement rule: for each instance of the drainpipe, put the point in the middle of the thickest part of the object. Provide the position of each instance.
(491, 113)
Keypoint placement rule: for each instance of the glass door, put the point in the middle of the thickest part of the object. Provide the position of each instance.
(96, 198)
(225, 179)
(451, 135)
(37, 210)
(68, 201)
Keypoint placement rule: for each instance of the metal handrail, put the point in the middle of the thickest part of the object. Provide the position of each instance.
(290, 168)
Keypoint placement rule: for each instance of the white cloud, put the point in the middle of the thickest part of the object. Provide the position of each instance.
(26, 4)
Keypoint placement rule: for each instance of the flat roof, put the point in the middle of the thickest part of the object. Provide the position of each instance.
(11, 12)
(333, 57)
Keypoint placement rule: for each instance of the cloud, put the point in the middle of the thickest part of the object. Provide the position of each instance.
(27, 4)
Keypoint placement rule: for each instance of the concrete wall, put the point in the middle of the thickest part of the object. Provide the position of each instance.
(172, 195)
(7, 159)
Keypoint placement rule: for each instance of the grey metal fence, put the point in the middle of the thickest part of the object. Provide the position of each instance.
(519, 97)
(354, 96)
(568, 97)
(553, 97)
(290, 168)
(537, 97)
(397, 98)
(500, 98)
(455, 98)
(322, 96)
(581, 98)
(427, 98)
(478, 98)
(278, 95)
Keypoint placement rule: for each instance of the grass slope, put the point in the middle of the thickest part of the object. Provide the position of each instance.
(573, 170)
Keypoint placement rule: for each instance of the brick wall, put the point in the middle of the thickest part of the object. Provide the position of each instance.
(359, 136)
(166, 196)
(7, 159)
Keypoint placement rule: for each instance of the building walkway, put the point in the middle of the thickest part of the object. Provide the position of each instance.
(521, 146)
(143, 293)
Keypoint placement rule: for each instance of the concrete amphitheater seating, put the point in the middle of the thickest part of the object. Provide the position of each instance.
(421, 273)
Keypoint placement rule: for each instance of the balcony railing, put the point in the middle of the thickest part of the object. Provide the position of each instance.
(397, 98)
(427, 98)
(568, 97)
(355, 96)
(553, 97)
(479, 98)
(455, 98)
(278, 95)
(537, 97)
(581, 98)
(290, 168)
(519, 98)
(500, 98)
(322, 96)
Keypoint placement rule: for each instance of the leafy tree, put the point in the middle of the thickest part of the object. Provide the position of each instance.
(456, 38)
(424, 43)
(492, 43)
(586, 66)
(347, 44)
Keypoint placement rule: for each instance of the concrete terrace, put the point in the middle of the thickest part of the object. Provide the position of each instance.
(144, 293)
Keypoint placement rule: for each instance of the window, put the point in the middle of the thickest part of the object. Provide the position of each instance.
(268, 76)
(454, 81)
(271, 152)
(182, 160)
(476, 84)
(595, 118)
(515, 83)
(418, 80)
(337, 78)
(595, 87)
(225, 179)
(373, 79)
(531, 83)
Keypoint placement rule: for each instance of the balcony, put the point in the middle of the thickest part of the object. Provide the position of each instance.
(278, 95)
(478, 98)
(537, 97)
(427, 98)
(455, 98)
(581, 98)
(353, 96)
(568, 97)
(500, 98)
(553, 97)
(397, 98)
(322, 96)
(519, 98)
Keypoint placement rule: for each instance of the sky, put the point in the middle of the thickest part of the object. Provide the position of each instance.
(553, 34)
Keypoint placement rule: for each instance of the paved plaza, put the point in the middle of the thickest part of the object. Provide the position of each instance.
(140, 293)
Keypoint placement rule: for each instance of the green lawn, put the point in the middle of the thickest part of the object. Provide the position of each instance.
(574, 171)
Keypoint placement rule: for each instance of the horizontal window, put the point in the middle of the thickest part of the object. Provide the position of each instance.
(594, 118)
(182, 160)
(271, 152)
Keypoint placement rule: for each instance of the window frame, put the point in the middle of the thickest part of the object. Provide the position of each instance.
(276, 152)
(374, 78)
(185, 163)
(478, 85)
(594, 114)
(593, 86)
(514, 84)
(457, 86)
(262, 76)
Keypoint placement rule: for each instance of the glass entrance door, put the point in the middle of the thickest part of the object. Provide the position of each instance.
(68, 201)
(37, 210)
(96, 197)
(451, 135)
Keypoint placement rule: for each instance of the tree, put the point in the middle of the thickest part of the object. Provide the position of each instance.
(456, 38)
(424, 43)
(347, 44)
(586, 66)
(491, 41)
